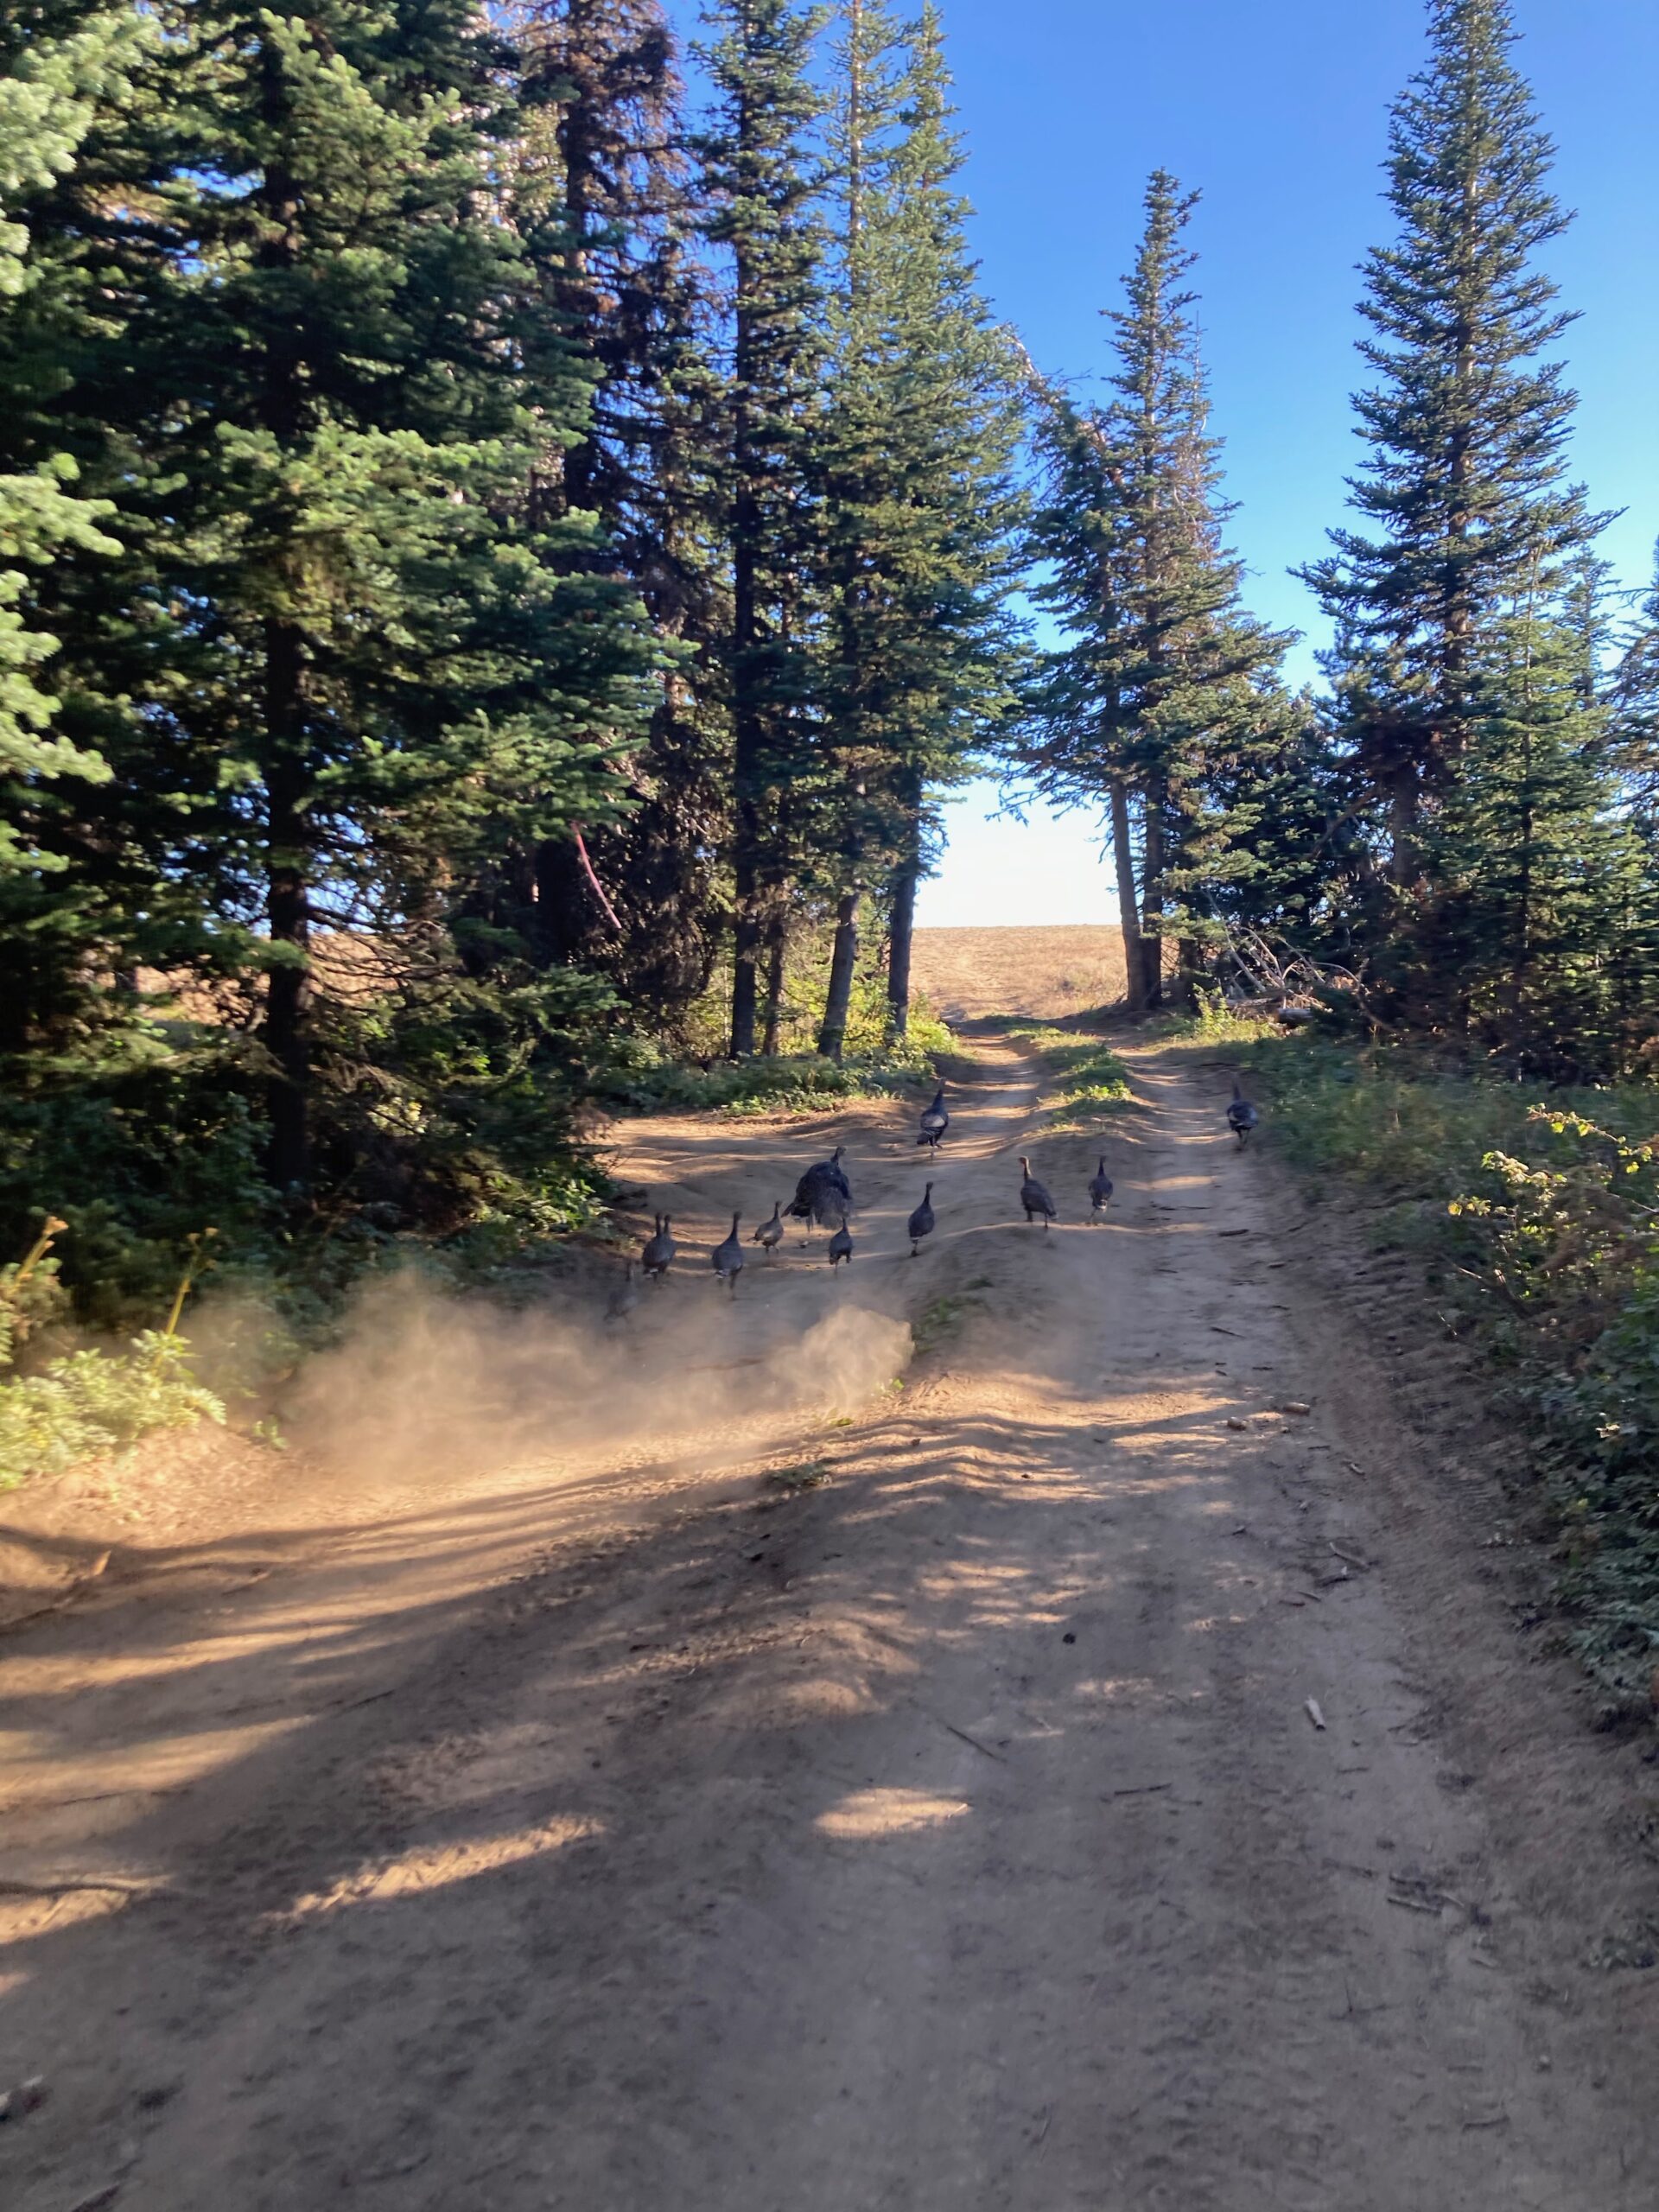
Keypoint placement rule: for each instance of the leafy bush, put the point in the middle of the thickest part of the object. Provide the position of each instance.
(84, 1402)
(93, 1401)
(1542, 1222)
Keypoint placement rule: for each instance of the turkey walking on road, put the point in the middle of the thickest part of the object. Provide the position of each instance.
(841, 1245)
(1033, 1195)
(920, 1223)
(823, 1194)
(935, 1122)
(658, 1255)
(624, 1297)
(770, 1233)
(1100, 1190)
(1242, 1116)
(727, 1259)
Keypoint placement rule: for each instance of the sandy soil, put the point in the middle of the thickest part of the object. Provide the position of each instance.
(587, 1823)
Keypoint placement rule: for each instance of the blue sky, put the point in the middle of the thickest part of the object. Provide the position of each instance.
(1277, 112)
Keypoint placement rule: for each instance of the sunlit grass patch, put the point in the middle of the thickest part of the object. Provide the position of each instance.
(1093, 1082)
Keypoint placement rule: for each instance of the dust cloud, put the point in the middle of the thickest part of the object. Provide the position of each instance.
(422, 1385)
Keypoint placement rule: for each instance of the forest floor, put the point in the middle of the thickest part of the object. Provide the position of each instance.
(1105, 1773)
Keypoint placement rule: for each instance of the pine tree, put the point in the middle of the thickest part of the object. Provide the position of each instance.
(1537, 879)
(920, 515)
(760, 181)
(1465, 428)
(1168, 684)
(1635, 699)
(397, 680)
(600, 186)
(60, 71)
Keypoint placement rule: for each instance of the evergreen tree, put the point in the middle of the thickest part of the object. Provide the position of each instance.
(1177, 682)
(760, 182)
(920, 517)
(1465, 428)
(397, 680)
(600, 183)
(1635, 697)
(1537, 880)
(61, 69)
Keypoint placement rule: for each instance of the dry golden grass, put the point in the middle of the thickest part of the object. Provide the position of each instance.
(1043, 972)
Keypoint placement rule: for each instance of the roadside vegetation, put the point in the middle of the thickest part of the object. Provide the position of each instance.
(1533, 1211)
(504, 557)
(1091, 1080)
(78, 1404)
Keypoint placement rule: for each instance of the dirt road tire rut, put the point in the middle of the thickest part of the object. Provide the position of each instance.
(954, 1834)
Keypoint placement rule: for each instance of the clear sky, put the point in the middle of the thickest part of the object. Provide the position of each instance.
(1277, 112)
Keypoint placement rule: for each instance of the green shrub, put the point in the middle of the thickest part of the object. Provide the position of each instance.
(89, 1402)
(1093, 1082)
(1538, 1211)
(84, 1402)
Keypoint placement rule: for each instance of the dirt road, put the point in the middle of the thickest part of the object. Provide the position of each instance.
(1103, 1789)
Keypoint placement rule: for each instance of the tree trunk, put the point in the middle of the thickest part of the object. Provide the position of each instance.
(900, 945)
(288, 913)
(832, 1034)
(776, 946)
(1152, 898)
(745, 949)
(1402, 828)
(284, 1032)
(1128, 898)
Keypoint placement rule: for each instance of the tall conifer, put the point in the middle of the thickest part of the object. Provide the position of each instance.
(920, 516)
(1462, 503)
(761, 183)
(1167, 680)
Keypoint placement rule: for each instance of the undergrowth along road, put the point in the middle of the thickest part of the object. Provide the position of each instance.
(1100, 1769)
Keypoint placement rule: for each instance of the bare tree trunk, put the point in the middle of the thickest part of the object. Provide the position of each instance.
(288, 915)
(776, 946)
(1151, 898)
(289, 839)
(832, 1033)
(900, 945)
(745, 949)
(1128, 898)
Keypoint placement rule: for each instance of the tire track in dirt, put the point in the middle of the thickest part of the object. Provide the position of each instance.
(954, 1834)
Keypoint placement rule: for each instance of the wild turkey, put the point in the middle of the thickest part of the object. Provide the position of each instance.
(658, 1255)
(770, 1233)
(1242, 1116)
(727, 1259)
(624, 1297)
(1100, 1190)
(822, 1195)
(841, 1245)
(1033, 1195)
(920, 1223)
(935, 1122)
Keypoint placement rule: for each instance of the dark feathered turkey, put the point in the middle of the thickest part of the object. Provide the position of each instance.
(823, 1194)
(920, 1223)
(658, 1255)
(1100, 1188)
(1033, 1195)
(727, 1259)
(1242, 1116)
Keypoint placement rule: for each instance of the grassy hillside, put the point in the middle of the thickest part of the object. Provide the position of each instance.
(1038, 972)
